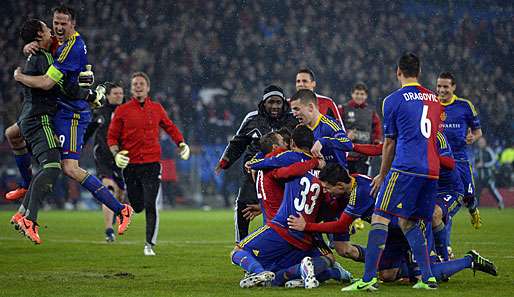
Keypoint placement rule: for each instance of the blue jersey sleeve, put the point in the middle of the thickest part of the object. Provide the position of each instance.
(389, 112)
(70, 59)
(442, 144)
(338, 141)
(361, 202)
(281, 160)
(472, 116)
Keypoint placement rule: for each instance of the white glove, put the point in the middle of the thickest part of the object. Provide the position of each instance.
(183, 151)
(86, 78)
(97, 98)
(121, 159)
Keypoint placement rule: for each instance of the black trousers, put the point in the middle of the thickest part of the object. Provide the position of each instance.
(247, 195)
(142, 182)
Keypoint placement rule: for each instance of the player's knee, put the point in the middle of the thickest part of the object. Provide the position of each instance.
(376, 218)
(13, 136)
(437, 217)
(405, 224)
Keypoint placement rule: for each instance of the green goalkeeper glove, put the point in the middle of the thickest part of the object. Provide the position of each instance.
(183, 151)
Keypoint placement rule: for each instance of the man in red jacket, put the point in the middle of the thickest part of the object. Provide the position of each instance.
(305, 80)
(133, 139)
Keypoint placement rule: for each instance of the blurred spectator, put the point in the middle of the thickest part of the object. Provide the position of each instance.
(485, 164)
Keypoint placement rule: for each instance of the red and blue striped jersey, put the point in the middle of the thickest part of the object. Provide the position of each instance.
(411, 116)
(458, 115)
(301, 197)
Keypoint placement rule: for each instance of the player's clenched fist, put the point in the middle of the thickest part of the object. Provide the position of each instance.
(121, 159)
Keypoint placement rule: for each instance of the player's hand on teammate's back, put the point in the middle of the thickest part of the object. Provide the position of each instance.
(296, 223)
(183, 151)
(30, 48)
(86, 78)
(375, 184)
(251, 211)
(316, 149)
(121, 159)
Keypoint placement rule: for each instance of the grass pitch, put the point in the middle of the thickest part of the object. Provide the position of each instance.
(192, 259)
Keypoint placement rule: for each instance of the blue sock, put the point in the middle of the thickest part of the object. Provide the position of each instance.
(417, 243)
(101, 193)
(246, 261)
(449, 231)
(23, 162)
(284, 275)
(376, 242)
(441, 246)
(330, 273)
(444, 270)
(320, 264)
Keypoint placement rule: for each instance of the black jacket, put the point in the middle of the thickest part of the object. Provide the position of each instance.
(256, 124)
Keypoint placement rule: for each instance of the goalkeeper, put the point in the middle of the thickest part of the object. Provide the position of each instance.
(133, 138)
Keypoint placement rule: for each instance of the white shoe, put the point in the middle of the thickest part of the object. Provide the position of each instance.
(255, 279)
(308, 276)
(148, 251)
(295, 283)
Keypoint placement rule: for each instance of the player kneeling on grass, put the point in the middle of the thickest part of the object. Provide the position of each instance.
(275, 253)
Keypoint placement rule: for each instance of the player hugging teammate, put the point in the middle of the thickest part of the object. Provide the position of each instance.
(305, 190)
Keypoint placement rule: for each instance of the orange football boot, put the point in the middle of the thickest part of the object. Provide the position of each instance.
(124, 218)
(16, 194)
(30, 229)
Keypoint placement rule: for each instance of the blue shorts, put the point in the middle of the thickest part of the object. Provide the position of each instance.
(466, 175)
(70, 127)
(406, 196)
(272, 251)
(449, 202)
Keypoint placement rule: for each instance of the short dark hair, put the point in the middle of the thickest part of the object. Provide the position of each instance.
(303, 137)
(409, 65)
(267, 141)
(30, 30)
(308, 71)
(286, 134)
(65, 10)
(333, 173)
(306, 96)
(360, 86)
(448, 75)
(109, 85)
(143, 75)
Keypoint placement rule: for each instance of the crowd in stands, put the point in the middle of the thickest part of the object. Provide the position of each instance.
(209, 60)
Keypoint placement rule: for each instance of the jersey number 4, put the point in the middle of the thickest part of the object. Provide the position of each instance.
(309, 191)
(425, 125)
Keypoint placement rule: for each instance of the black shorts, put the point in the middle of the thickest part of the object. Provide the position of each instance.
(106, 168)
(247, 192)
(39, 134)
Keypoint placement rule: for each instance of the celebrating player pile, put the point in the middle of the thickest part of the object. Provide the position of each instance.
(417, 190)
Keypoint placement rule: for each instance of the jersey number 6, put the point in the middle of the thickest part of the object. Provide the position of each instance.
(425, 125)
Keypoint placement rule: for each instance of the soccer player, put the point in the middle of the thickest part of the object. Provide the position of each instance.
(73, 115)
(462, 128)
(362, 125)
(133, 139)
(106, 169)
(410, 164)
(37, 129)
(305, 80)
(355, 189)
(485, 161)
(275, 248)
(331, 140)
(273, 113)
